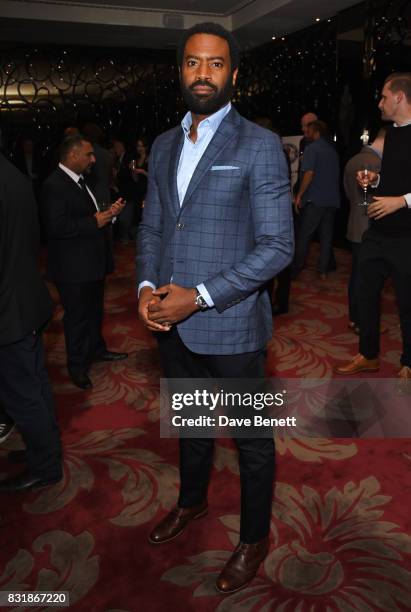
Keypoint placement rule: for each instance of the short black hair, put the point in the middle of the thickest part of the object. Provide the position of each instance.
(216, 30)
(69, 143)
(320, 127)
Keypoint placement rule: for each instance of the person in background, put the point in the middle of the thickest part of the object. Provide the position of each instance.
(28, 160)
(385, 248)
(369, 157)
(279, 287)
(126, 187)
(100, 173)
(305, 121)
(79, 256)
(25, 308)
(318, 198)
(139, 170)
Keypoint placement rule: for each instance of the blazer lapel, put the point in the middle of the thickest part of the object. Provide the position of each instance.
(225, 132)
(85, 197)
(175, 152)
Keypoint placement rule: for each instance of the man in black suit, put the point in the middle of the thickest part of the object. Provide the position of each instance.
(25, 307)
(79, 256)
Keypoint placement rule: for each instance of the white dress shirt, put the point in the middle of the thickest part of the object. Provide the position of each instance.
(75, 177)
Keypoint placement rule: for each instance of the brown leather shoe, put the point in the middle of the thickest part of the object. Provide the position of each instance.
(175, 522)
(404, 383)
(358, 364)
(242, 566)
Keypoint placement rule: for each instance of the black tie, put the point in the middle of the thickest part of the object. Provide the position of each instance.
(83, 186)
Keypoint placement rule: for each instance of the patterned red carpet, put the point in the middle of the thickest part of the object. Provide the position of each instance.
(341, 516)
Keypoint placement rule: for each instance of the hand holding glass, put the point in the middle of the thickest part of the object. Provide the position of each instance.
(366, 177)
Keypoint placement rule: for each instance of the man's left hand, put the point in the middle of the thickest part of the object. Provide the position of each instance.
(117, 207)
(178, 304)
(385, 206)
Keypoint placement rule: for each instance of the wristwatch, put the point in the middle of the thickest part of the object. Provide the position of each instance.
(200, 301)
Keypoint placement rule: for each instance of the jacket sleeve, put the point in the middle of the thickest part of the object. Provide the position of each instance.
(150, 229)
(57, 217)
(270, 203)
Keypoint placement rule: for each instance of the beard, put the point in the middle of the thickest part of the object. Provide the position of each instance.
(201, 104)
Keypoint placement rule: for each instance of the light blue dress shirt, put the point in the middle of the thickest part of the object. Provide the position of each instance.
(190, 156)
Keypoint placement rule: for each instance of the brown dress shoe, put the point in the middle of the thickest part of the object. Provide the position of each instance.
(358, 364)
(175, 522)
(242, 566)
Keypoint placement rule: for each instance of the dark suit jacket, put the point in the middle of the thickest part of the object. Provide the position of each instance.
(127, 187)
(100, 175)
(78, 251)
(25, 304)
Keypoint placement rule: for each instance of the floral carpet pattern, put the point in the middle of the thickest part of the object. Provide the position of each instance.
(341, 520)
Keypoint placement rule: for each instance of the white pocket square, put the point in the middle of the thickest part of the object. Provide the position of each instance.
(225, 168)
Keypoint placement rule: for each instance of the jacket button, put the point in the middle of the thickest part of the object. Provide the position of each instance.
(180, 226)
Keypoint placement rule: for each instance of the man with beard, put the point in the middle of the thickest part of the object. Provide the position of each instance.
(386, 244)
(217, 225)
(79, 256)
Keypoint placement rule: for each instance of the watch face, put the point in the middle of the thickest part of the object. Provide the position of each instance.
(200, 301)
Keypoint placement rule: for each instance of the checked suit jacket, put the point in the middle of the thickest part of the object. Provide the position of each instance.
(233, 232)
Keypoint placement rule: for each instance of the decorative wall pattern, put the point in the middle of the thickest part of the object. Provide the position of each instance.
(130, 91)
(44, 88)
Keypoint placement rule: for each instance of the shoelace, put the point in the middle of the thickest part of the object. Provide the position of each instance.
(3, 427)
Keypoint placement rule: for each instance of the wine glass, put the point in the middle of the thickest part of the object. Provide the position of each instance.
(365, 180)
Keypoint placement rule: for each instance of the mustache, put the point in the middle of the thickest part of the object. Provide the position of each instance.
(201, 83)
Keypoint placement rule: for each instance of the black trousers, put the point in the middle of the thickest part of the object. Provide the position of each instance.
(353, 283)
(314, 218)
(380, 257)
(256, 456)
(26, 396)
(83, 305)
(282, 292)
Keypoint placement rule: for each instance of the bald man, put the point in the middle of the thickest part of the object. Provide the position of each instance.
(306, 119)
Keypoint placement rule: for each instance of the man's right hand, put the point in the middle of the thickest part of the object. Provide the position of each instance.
(103, 218)
(297, 203)
(146, 298)
(365, 178)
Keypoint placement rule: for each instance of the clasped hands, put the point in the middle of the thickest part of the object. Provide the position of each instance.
(159, 309)
(105, 216)
(381, 206)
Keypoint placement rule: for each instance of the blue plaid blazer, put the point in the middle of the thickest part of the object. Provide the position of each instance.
(233, 232)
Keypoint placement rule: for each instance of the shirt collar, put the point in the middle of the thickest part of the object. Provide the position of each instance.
(403, 124)
(70, 173)
(212, 122)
